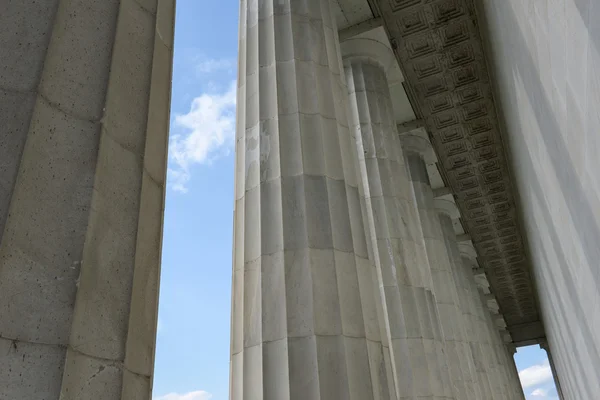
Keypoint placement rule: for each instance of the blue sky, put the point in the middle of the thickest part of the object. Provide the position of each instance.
(192, 357)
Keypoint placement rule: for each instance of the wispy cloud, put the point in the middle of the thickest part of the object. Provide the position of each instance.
(197, 395)
(542, 393)
(207, 133)
(539, 392)
(536, 374)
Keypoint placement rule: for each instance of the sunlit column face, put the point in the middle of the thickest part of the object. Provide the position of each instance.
(304, 295)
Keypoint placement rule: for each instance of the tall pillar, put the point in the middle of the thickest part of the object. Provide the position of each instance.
(477, 329)
(84, 92)
(397, 245)
(506, 384)
(517, 388)
(544, 345)
(497, 378)
(418, 150)
(305, 323)
(446, 212)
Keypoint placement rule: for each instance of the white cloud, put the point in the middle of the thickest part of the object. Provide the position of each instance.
(208, 132)
(542, 393)
(197, 395)
(536, 374)
(539, 392)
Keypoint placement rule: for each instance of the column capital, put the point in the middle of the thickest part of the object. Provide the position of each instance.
(511, 348)
(446, 207)
(418, 144)
(373, 46)
(505, 335)
(544, 344)
(468, 251)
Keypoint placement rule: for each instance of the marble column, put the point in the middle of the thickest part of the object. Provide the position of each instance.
(396, 244)
(472, 302)
(480, 330)
(544, 345)
(447, 211)
(305, 323)
(517, 388)
(84, 92)
(505, 383)
(418, 152)
(498, 382)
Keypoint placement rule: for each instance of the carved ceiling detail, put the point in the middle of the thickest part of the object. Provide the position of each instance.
(440, 52)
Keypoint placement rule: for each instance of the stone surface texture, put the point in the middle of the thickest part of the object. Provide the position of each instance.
(84, 110)
(544, 59)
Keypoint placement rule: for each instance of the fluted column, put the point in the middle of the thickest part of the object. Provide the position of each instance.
(446, 212)
(544, 345)
(505, 383)
(480, 336)
(493, 366)
(85, 93)
(396, 244)
(305, 323)
(517, 388)
(418, 149)
(471, 305)
(417, 152)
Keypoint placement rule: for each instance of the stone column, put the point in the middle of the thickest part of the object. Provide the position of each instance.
(304, 318)
(480, 345)
(517, 388)
(544, 345)
(84, 92)
(418, 150)
(506, 384)
(417, 153)
(447, 211)
(397, 246)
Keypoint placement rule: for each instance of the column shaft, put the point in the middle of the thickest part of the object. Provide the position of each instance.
(464, 324)
(476, 330)
(84, 188)
(444, 289)
(396, 239)
(506, 384)
(544, 345)
(304, 318)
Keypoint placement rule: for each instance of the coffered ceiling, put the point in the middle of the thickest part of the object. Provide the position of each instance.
(440, 53)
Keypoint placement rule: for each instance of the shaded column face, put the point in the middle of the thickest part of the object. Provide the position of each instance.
(503, 376)
(395, 235)
(544, 345)
(444, 287)
(304, 317)
(480, 341)
(84, 92)
(464, 327)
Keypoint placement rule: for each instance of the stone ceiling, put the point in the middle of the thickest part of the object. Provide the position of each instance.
(438, 46)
